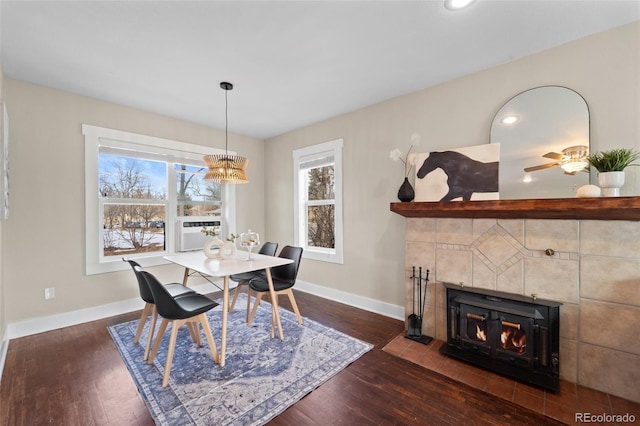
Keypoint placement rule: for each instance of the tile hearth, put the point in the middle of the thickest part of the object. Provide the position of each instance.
(562, 406)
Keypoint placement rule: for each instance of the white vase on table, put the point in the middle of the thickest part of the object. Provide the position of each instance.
(213, 248)
(228, 250)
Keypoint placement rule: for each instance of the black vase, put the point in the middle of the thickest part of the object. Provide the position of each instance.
(406, 193)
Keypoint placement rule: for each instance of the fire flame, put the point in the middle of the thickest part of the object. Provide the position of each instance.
(481, 334)
(513, 340)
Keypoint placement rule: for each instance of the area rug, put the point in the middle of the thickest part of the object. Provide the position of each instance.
(261, 378)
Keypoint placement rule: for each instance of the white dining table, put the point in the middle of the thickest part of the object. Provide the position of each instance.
(223, 268)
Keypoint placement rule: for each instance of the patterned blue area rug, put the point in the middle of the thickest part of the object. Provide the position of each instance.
(261, 378)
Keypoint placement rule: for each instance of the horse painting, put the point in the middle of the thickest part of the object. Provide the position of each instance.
(465, 176)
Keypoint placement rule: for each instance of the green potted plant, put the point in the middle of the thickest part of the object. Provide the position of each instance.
(615, 160)
(610, 166)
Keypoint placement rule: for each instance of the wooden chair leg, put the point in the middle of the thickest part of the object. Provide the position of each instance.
(273, 319)
(172, 346)
(143, 318)
(289, 293)
(235, 294)
(194, 333)
(163, 328)
(152, 328)
(202, 319)
(248, 303)
(255, 308)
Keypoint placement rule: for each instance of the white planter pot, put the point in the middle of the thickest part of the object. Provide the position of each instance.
(611, 182)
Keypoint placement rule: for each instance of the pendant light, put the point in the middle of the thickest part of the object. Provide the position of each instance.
(226, 168)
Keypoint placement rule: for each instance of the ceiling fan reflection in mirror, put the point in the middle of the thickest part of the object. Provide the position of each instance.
(572, 160)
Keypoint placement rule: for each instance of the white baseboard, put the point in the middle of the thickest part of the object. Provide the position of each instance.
(4, 346)
(53, 322)
(371, 305)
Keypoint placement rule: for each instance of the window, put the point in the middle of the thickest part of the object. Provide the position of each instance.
(195, 196)
(318, 201)
(136, 187)
(133, 202)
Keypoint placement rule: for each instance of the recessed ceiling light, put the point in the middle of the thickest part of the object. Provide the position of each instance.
(509, 119)
(457, 4)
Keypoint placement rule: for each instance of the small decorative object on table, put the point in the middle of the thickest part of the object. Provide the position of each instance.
(406, 192)
(213, 246)
(610, 166)
(228, 249)
(249, 240)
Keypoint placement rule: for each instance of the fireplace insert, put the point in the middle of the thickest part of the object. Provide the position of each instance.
(510, 334)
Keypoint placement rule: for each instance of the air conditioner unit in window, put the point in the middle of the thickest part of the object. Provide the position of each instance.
(189, 231)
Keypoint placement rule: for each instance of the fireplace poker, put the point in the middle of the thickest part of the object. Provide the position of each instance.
(420, 310)
(426, 282)
(412, 326)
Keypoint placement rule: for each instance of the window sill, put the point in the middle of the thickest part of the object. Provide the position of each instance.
(322, 256)
(116, 264)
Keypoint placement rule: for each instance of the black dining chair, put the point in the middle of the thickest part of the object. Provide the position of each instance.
(174, 289)
(188, 308)
(268, 249)
(283, 278)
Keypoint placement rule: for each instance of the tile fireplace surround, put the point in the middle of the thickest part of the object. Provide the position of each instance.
(594, 272)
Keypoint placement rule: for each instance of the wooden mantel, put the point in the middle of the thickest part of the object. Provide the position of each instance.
(603, 208)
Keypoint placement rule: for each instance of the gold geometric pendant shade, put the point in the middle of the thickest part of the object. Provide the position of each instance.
(226, 168)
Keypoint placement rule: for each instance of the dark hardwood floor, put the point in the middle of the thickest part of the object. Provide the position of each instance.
(75, 376)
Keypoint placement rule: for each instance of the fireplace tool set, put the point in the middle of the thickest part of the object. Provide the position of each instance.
(414, 330)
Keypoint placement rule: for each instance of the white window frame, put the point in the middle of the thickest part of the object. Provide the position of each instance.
(152, 146)
(331, 148)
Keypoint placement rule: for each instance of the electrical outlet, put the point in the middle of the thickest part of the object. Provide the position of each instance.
(49, 293)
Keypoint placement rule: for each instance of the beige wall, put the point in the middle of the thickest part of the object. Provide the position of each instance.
(603, 68)
(43, 241)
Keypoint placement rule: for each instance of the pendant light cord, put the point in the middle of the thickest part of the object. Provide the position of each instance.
(226, 123)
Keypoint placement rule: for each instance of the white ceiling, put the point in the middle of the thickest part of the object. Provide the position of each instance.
(293, 63)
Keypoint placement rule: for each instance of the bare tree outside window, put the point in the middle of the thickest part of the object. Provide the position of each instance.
(138, 226)
(132, 227)
(321, 207)
(184, 180)
(197, 197)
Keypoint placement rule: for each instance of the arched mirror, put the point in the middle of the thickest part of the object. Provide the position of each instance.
(544, 138)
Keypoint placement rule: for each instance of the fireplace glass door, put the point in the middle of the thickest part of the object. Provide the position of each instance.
(497, 334)
(475, 329)
(515, 343)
